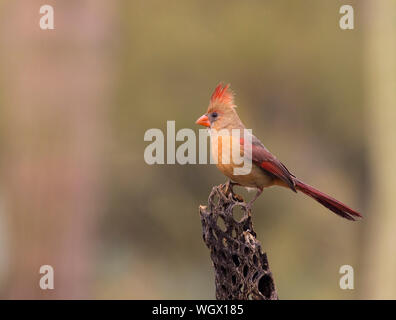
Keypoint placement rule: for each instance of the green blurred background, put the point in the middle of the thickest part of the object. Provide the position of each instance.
(76, 193)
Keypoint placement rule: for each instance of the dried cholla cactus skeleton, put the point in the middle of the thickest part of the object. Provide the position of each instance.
(241, 268)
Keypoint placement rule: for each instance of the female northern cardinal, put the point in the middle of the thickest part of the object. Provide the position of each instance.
(266, 169)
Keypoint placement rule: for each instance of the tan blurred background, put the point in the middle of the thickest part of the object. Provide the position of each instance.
(75, 192)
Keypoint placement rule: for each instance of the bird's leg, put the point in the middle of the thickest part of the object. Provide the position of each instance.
(250, 203)
(228, 187)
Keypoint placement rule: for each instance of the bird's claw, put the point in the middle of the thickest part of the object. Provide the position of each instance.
(229, 190)
(238, 198)
(228, 187)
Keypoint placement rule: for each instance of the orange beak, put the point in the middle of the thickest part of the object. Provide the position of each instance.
(203, 121)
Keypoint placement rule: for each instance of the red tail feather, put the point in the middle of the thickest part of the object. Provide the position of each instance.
(329, 202)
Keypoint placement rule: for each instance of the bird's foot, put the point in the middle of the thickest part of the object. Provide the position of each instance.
(229, 188)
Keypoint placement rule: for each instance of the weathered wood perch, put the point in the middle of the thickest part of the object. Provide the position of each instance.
(241, 268)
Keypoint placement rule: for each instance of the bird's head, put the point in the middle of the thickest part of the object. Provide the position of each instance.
(221, 112)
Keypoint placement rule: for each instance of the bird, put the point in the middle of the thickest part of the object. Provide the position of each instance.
(266, 170)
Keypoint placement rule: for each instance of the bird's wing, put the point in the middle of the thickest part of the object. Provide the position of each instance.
(269, 163)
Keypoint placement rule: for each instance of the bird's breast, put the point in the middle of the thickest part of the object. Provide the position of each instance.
(228, 162)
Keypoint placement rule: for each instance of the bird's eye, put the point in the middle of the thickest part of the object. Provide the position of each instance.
(214, 114)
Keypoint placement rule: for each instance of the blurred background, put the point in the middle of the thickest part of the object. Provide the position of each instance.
(76, 193)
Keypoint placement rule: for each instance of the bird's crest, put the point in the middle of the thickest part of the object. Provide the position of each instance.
(222, 95)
